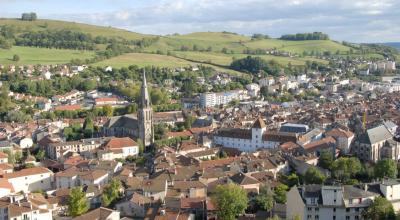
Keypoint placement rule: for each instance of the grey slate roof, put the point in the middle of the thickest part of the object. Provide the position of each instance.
(378, 134)
(354, 192)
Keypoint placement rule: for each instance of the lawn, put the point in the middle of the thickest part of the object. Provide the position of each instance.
(33, 55)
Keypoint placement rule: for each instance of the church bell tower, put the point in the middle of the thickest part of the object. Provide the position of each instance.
(145, 115)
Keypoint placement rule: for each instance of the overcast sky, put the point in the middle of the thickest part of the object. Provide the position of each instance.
(351, 20)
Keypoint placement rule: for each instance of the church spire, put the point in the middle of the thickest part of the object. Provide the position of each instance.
(145, 98)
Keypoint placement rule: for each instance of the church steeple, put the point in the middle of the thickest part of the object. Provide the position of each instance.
(145, 98)
(145, 115)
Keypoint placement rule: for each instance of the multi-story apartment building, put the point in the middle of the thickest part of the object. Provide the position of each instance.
(328, 202)
(211, 99)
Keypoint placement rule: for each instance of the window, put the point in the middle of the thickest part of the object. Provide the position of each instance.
(334, 209)
(317, 209)
(316, 216)
(347, 210)
(347, 217)
(334, 201)
(334, 217)
(312, 200)
(309, 217)
(356, 217)
(309, 208)
(360, 200)
(357, 209)
(350, 201)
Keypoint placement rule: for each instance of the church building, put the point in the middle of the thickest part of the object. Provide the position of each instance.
(134, 126)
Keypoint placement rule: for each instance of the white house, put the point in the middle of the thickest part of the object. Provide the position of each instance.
(119, 148)
(26, 142)
(253, 89)
(74, 177)
(31, 179)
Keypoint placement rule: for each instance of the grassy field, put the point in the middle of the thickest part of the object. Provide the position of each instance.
(94, 30)
(143, 59)
(33, 55)
(226, 59)
(297, 46)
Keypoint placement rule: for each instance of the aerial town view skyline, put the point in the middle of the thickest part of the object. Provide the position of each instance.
(199, 110)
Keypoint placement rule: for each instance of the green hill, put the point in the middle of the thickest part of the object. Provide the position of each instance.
(212, 48)
(94, 30)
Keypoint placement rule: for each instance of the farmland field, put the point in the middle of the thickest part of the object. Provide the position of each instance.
(33, 55)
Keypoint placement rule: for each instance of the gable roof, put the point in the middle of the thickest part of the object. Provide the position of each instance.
(27, 172)
(118, 143)
(243, 179)
(259, 123)
(97, 214)
(378, 134)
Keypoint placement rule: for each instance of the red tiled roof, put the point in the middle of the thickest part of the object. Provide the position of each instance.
(106, 99)
(118, 143)
(27, 172)
(337, 132)
(3, 155)
(325, 142)
(67, 107)
(179, 134)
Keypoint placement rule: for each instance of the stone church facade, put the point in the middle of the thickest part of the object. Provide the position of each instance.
(140, 126)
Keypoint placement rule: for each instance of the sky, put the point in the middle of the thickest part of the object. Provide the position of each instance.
(350, 20)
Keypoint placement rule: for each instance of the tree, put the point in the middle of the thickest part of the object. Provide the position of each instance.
(77, 202)
(189, 121)
(325, 160)
(40, 155)
(108, 110)
(381, 208)
(15, 58)
(265, 199)
(345, 168)
(88, 127)
(231, 201)
(385, 168)
(18, 157)
(292, 180)
(314, 176)
(280, 193)
(111, 192)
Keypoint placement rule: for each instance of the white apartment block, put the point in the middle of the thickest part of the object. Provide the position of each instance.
(210, 99)
(328, 202)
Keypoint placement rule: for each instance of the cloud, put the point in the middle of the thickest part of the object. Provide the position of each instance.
(354, 20)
